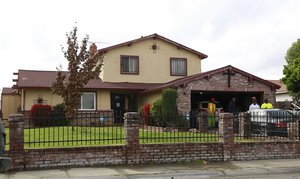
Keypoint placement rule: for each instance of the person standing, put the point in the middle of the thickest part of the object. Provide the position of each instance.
(232, 106)
(211, 109)
(3, 136)
(266, 105)
(254, 104)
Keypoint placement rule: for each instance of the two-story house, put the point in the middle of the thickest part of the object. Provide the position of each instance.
(136, 72)
(129, 68)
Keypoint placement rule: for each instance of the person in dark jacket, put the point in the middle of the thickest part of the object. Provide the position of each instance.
(232, 106)
(3, 135)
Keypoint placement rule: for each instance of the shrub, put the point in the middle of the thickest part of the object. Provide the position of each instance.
(168, 103)
(156, 113)
(146, 112)
(155, 110)
(40, 114)
(59, 116)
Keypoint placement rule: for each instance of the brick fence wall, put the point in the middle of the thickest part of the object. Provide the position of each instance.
(266, 150)
(67, 157)
(135, 153)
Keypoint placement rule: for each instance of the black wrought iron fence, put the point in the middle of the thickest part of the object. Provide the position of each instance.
(85, 129)
(266, 125)
(107, 128)
(187, 127)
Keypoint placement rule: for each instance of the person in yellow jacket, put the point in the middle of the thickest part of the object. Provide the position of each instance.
(211, 109)
(266, 105)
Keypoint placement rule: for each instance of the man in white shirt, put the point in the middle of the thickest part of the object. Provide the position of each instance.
(254, 104)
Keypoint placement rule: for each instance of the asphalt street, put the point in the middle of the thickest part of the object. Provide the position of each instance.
(280, 168)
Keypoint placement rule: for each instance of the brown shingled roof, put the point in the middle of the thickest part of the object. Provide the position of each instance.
(7, 90)
(155, 36)
(44, 79)
(282, 88)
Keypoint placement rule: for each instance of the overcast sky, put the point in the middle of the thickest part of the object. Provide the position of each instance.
(252, 35)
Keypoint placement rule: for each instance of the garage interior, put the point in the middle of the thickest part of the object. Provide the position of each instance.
(243, 99)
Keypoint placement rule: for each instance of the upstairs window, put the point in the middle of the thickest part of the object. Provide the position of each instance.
(88, 101)
(129, 65)
(178, 66)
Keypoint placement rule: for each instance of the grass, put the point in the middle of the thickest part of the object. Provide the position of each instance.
(173, 137)
(68, 136)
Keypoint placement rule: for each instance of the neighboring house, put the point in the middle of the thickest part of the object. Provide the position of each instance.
(283, 97)
(136, 72)
(282, 94)
(10, 102)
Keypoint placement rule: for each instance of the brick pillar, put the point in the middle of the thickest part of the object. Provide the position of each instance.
(16, 140)
(293, 130)
(202, 118)
(226, 135)
(131, 127)
(244, 124)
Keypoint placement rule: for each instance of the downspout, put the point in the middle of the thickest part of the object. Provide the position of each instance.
(23, 100)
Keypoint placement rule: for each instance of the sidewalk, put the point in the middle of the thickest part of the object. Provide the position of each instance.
(234, 169)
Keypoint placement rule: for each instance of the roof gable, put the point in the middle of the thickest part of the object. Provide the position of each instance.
(154, 36)
(208, 74)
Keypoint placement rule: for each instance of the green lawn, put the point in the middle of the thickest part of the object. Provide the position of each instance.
(171, 137)
(67, 136)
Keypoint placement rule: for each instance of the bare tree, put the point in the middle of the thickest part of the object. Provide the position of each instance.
(84, 65)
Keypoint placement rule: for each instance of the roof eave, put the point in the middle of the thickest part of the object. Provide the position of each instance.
(178, 45)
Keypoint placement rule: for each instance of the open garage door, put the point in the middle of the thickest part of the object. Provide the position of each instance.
(243, 99)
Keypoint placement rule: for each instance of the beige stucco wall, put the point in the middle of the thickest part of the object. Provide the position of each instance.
(149, 98)
(103, 100)
(31, 95)
(10, 104)
(153, 67)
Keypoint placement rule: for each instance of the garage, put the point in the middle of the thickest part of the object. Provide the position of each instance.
(243, 99)
(223, 84)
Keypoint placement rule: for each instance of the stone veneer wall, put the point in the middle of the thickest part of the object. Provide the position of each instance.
(218, 82)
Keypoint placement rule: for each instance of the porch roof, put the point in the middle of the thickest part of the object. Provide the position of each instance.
(44, 79)
(7, 90)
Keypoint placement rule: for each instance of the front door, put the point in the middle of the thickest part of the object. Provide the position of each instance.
(117, 101)
(132, 102)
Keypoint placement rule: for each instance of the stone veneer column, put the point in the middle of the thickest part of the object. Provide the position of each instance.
(16, 140)
(202, 119)
(226, 135)
(131, 127)
(244, 124)
(293, 129)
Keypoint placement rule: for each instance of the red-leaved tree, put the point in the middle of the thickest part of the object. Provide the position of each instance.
(84, 64)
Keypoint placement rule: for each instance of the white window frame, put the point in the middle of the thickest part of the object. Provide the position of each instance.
(81, 101)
